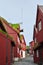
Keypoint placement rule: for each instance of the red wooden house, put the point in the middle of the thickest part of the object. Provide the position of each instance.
(31, 45)
(38, 36)
(15, 34)
(21, 46)
(6, 46)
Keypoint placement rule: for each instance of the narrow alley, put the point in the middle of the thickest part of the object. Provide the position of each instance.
(26, 61)
(21, 32)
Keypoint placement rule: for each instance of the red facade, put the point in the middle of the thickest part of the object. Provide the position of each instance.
(10, 51)
(38, 36)
(13, 34)
(5, 50)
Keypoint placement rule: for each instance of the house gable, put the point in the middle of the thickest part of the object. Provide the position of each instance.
(2, 27)
(6, 25)
(39, 15)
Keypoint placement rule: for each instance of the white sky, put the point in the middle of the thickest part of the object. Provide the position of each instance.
(17, 11)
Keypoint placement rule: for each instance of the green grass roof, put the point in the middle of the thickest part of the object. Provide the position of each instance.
(5, 34)
(15, 26)
(3, 31)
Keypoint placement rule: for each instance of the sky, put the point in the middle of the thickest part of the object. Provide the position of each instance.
(23, 12)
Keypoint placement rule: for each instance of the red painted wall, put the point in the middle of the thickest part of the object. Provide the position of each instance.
(39, 35)
(5, 50)
(14, 34)
(2, 50)
(36, 59)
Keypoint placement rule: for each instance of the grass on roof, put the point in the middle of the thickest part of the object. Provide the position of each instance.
(3, 31)
(16, 26)
(5, 34)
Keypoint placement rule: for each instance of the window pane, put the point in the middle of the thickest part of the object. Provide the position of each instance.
(39, 25)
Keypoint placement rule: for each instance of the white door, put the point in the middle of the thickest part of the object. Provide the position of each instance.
(23, 54)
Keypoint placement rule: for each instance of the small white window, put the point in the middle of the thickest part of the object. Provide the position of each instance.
(39, 26)
(33, 52)
(37, 53)
(18, 40)
(36, 29)
(22, 40)
(35, 40)
(17, 50)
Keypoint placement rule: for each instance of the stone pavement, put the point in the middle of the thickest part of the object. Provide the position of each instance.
(26, 61)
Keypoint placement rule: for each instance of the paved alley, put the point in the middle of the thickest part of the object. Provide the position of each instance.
(26, 61)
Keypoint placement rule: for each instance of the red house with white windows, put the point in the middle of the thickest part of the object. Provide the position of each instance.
(38, 36)
(15, 35)
(6, 46)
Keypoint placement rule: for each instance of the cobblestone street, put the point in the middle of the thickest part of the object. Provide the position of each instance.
(26, 61)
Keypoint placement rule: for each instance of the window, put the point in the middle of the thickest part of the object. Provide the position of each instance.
(37, 53)
(22, 40)
(18, 40)
(36, 29)
(35, 40)
(39, 26)
(17, 50)
(33, 52)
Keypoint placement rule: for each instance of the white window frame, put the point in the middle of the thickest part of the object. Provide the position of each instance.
(17, 50)
(39, 26)
(37, 53)
(22, 40)
(35, 40)
(18, 40)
